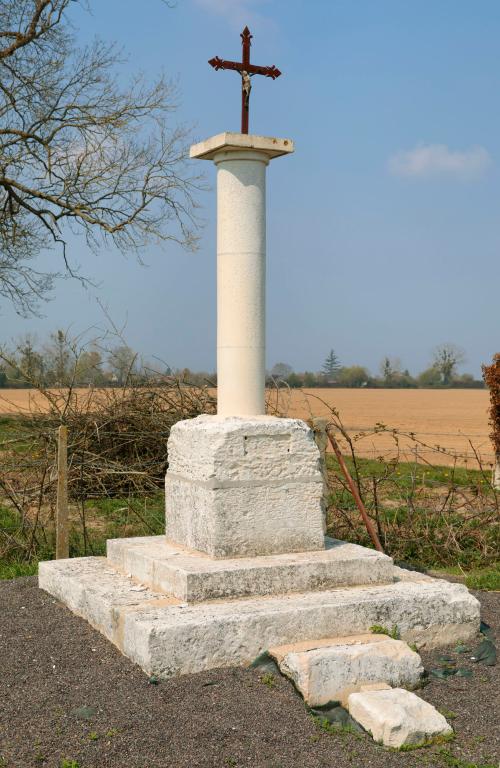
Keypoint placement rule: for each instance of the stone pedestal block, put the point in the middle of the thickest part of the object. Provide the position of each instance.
(239, 487)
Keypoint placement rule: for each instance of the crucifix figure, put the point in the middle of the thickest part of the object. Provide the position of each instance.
(246, 70)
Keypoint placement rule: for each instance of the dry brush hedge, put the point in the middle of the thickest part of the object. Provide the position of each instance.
(117, 447)
(491, 374)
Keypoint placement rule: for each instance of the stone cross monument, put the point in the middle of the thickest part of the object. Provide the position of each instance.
(243, 483)
(245, 565)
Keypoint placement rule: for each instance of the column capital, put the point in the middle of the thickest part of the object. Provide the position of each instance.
(241, 142)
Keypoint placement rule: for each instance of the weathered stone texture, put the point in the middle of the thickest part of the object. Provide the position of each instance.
(238, 487)
(195, 577)
(169, 638)
(397, 717)
(332, 669)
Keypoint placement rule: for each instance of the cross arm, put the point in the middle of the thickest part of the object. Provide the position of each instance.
(271, 71)
(218, 63)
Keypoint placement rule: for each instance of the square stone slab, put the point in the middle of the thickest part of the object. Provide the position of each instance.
(195, 577)
(230, 142)
(331, 669)
(397, 717)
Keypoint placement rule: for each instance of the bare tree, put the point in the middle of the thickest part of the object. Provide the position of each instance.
(446, 358)
(390, 367)
(79, 152)
(58, 359)
(281, 371)
(122, 361)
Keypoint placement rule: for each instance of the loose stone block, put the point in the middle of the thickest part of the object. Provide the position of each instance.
(397, 717)
(333, 668)
(195, 577)
(239, 487)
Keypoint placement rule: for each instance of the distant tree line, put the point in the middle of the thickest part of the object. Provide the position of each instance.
(441, 373)
(62, 361)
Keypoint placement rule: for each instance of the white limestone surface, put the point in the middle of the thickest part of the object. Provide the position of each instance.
(195, 577)
(397, 718)
(93, 589)
(333, 668)
(229, 141)
(169, 638)
(238, 487)
(241, 162)
(241, 281)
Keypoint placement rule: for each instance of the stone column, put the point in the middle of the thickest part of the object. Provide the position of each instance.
(241, 275)
(241, 162)
(242, 484)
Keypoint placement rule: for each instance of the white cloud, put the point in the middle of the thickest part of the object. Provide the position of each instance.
(239, 12)
(437, 159)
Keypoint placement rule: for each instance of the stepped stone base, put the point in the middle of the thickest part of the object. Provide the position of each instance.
(194, 577)
(168, 637)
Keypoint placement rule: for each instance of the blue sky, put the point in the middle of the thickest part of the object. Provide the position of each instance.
(383, 228)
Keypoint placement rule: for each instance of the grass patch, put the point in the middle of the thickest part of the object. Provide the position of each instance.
(485, 578)
(377, 629)
(427, 517)
(13, 570)
(104, 519)
(409, 473)
(118, 518)
(269, 680)
(443, 739)
(452, 761)
(479, 578)
(15, 433)
(335, 728)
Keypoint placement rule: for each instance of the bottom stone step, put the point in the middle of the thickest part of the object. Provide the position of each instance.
(168, 638)
(331, 669)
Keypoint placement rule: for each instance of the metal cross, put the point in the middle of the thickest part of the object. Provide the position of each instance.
(246, 71)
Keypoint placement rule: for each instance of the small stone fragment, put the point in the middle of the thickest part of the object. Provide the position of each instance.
(397, 717)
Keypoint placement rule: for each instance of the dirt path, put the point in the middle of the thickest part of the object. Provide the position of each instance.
(53, 664)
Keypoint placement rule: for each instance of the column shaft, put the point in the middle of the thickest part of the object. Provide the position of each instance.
(241, 272)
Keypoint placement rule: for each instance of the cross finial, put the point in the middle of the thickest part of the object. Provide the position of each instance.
(246, 70)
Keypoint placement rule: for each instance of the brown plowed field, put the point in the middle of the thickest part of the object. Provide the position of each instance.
(449, 418)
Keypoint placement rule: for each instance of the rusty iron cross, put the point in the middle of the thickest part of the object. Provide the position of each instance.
(246, 70)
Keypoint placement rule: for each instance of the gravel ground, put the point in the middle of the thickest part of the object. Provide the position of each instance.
(54, 664)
